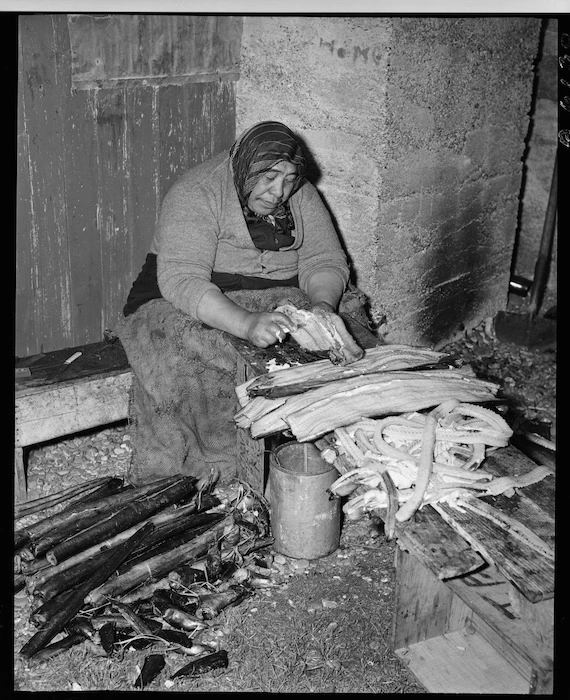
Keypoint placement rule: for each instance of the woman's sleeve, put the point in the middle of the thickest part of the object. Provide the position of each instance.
(187, 239)
(321, 250)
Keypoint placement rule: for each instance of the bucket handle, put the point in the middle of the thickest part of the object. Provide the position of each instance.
(274, 453)
(275, 457)
(332, 496)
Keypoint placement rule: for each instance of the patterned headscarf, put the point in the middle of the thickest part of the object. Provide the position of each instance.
(257, 150)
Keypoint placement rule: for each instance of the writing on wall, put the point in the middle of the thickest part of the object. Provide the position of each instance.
(358, 54)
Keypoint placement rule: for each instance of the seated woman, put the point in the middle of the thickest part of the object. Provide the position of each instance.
(237, 236)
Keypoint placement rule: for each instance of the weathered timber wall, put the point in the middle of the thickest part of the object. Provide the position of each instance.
(111, 110)
(418, 125)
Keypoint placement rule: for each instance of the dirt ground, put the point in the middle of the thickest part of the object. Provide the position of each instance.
(326, 625)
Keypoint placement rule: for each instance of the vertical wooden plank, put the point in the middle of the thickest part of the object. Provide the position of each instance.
(196, 121)
(25, 281)
(173, 128)
(197, 126)
(142, 163)
(80, 167)
(223, 116)
(204, 132)
(193, 99)
(251, 454)
(47, 236)
(422, 603)
(112, 221)
(20, 487)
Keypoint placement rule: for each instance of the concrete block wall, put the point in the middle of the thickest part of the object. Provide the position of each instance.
(539, 161)
(417, 126)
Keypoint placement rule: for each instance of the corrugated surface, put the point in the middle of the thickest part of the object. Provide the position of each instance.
(93, 167)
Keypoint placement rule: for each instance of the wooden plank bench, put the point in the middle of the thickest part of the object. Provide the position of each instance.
(92, 391)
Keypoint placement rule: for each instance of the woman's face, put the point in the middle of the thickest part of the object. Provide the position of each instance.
(272, 188)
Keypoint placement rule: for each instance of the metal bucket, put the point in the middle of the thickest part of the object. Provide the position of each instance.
(305, 518)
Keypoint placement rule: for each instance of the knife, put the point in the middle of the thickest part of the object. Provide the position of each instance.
(67, 362)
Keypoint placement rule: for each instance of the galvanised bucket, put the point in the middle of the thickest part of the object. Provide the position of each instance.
(305, 518)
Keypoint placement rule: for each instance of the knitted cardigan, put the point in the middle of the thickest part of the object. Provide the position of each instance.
(202, 229)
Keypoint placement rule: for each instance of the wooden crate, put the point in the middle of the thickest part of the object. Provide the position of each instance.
(473, 634)
(252, 460)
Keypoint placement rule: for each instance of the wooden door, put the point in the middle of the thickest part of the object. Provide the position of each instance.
(111, 110)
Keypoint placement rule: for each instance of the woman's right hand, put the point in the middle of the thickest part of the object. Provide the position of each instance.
(267, 328)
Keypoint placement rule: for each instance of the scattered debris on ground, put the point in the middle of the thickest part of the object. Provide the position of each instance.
(221, 542)
(319, 626)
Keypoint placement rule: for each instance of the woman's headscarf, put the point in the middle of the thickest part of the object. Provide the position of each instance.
(258, 149)
(255, 152)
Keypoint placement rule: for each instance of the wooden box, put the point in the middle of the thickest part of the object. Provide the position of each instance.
(473, 634)
(252, 455)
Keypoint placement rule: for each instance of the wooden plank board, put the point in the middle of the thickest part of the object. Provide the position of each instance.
(46, 238)
(114, 49)
(510, 461)
(173, 128)
(25, 281)
(531, 572)
(143, 188)
(422, 603)
(437, 545)
(526, 643)
(223, 116)
(528, 512)
(250, 452)
(112, 222)
(44, 414)
(96, 358)
(83, 236)
(20, 490)
(460, 663)
(480, 603)
(199, 132)
(195, 149)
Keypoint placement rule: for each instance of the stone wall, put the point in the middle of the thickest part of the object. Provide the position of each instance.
(418, 127)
